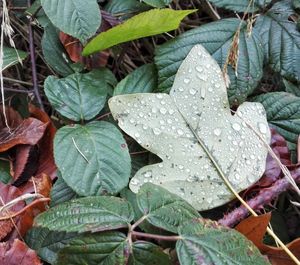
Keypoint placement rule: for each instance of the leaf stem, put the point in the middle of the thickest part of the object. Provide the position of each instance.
(158, 237)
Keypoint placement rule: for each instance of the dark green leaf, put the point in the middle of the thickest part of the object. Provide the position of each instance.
(11, 57)
(145, 24)
(146, 253)
(241, 5)
(205, 242)
(78, 96)
(283, 113)
(87, 214)
(292, 88)
(281, 41)
(54, 52)
(61, 192)
(78, 18)
(296, 4)
(141, 80)
(5, 176)
(164, 209)
(216, 37)
(106, 248)
(47, 243)
(157, 3)
(93, 159)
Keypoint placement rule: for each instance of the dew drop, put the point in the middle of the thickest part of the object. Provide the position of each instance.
(147, 174)
(169, 121)
(159, 96)
(156, 131)
(163, 111)
(137, 135)
(154, 110)
(181, 89)
(180, 132)
(236, 126)
(171, 111)
(203, 92)
(262, 128)
(217, 131)
(134, 181)
(199, 69)
(186, 80)
(193, 91)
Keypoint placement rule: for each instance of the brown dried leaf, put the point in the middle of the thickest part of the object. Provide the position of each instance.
(18, 253)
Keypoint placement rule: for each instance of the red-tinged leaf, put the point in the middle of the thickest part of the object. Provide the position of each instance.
(46, 163)
(13, 118)
(18, 253)
(30, 131)
(25, 164)
(254, 228)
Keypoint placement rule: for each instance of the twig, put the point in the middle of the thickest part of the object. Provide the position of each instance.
(33, 63)
(18, 90)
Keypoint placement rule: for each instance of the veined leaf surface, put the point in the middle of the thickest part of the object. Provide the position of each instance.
(194, 133)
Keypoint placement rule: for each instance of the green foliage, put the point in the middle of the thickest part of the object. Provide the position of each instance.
(157, 3)
(175, 128)
(241, 5)
(93, 158)
(11, 57)
(78, 18)
(87, 214)
(216, 37)
(292, 88)
(206, 242)
(5, 176)
(146, 24)
(78, 96)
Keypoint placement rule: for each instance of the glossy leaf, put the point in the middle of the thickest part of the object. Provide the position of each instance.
(216, 37)
(78, 96)
(78, 18)
(145, 24)
(141, 80)
(146, 253)
(96, 249)
(281, 41)
(283, 113)
(87, 214)
(164, 209)
(93, 159)
(47, 243)
(206, 242)
(194, 133)
(241, 5)
(54, 53)
(11, 57)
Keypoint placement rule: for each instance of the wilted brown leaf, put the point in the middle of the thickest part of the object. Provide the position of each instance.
(17, 253)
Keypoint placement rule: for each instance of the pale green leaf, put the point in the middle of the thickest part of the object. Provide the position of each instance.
(145, 24)
(141, 80)
(47, 243)
(106, 248)
(205, 242)
(93, 159)
(241, 5)
(283, 113)
(146, 253)
(164, 209)
(54, 52)
(87, 214)
(11, 57)
(193, 132)
(216, 37)
(157, 3)
(78, 18)
(77, 96)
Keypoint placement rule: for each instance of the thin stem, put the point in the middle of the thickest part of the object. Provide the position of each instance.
(17, 90)
(12, 80)
(33, 62)
(157, 237)
(138, 222)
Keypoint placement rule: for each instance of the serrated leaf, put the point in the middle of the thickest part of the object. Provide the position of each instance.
(206, 242)
(78, 18)
(157, 3)
(194, 133)
(77, 96)
(11, 57)
(145, 24)
(87, 214)
(283, 113)
(164, 209)
(54, 52)
(61, 192)
(146, 253)
(291, 87)
(241, 5)
(281, 41)
(93, 159)
(47, 243)
(216, 37)
(96, 249)
(141, 80)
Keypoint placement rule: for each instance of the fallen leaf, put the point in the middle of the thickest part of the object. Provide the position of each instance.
(30, 131)
(18, 253)
(193, 132)
(254, 228)
(13, 118)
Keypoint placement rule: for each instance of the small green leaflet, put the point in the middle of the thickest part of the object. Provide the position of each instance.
(11, 57)
(194, 133)
(145, 24)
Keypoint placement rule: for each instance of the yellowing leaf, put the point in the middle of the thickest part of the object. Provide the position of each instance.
(193, 132)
